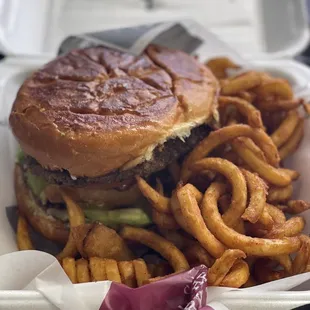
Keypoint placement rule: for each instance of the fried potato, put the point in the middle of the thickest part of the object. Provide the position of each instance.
(247, 95)
(127, 272)
(159, 187)
(266, 220)
(280, 194)
(23, 238)
(112, 270)
(177, 237)
(141, 271)
(76, 218)
(237, 276)
(187, 213)
(279, 105)
(162, 269)
(97, 269)
(100, 241)
(232, 239)
(219, 66)
(167, 249)
(222, 266)
(276, 214)
(164, 220)
(68, 264)
(257, 189)
(197, 255)
(158, 201)
(227, 134)
(242, 82)
(245, 108)
(292, 143)
(264, 273)
(296, 206)
(292, 227)
(285, 261)
(237, 180)
(279, 89)
(286, 128)
(292, 174)
(82, 271)
(265, 171)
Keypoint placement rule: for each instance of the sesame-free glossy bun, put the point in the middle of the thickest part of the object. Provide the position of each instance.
(96, 110)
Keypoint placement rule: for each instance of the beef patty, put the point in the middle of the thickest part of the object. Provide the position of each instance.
(163, 155)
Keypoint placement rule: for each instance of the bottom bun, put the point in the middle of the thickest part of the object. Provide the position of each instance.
(43, 223)
(94, 194)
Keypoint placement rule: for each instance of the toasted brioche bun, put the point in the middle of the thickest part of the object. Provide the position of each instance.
(43, 223)
(93, 194)
(96, 110)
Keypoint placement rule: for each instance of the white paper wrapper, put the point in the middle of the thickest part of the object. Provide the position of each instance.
(41, 272)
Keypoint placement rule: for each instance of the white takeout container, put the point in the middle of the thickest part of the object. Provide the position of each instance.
(266, 33)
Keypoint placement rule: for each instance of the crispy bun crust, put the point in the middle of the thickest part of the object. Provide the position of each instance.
(96, 110)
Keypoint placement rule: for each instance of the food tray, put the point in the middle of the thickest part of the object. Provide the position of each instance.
(16, 68)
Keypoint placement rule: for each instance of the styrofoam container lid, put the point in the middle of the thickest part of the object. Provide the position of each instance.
(255, 28)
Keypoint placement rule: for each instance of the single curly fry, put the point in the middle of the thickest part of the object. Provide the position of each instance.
(158, 201)
(285, 261)
(165, 248)
(292, 143)
(280, 194)
(242, 82)
(257, 189)
(238, 275)
(245, 108)
(286, 128)
(236, 179)
(296, 206)
(187, 213)
(219, 66)
(275, 89)
(264, 170)
(222, 266)
(292, 227)
(164, 220)
(272, 105)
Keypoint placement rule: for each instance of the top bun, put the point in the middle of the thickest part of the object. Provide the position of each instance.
(95, 110)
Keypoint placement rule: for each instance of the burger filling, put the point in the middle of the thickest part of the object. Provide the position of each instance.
(113, 199)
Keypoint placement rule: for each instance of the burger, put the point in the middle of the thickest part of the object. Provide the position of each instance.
(93, 119)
